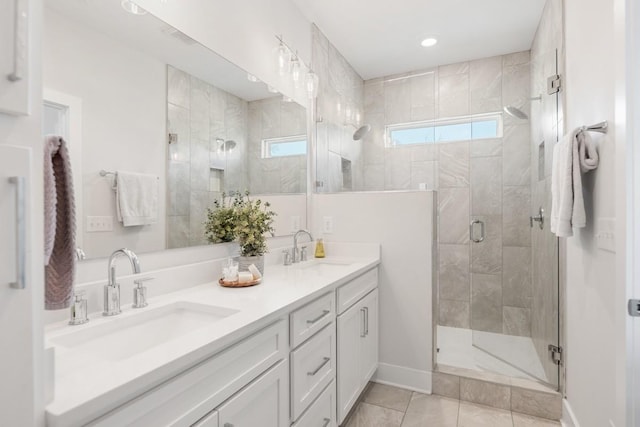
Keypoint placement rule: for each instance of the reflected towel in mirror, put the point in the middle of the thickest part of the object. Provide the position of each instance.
(137, 201)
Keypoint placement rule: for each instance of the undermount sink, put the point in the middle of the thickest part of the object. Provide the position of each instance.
(129, 335)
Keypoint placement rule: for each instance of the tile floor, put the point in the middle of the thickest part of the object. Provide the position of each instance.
(386, 406)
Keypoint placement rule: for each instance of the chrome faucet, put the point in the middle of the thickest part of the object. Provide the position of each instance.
(112, 289)
(296, 257)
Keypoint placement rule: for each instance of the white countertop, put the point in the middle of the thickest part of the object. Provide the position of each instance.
(86, 387)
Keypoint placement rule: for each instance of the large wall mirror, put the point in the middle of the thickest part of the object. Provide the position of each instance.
(132, 94)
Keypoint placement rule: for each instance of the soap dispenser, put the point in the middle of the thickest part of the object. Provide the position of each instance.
(79, 309)
(319, 248)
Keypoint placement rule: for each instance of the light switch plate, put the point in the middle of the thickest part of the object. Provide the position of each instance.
(606, 234)
(99, 223)
(327, 224)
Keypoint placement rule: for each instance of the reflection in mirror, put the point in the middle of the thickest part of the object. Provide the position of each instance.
(132, 94)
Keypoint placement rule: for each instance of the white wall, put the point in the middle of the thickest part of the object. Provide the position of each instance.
(402, 222)
(242, 31)
(594, 287)
(123, 93)
(21, 358)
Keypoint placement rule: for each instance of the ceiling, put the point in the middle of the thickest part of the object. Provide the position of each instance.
(382, 37)
(154, 37)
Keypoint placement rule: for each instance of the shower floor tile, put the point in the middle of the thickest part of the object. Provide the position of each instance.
(456, 348)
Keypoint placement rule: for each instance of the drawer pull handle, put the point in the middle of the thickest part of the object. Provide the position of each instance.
(366, 321)
(325, 360)
(363, 332)
(21, 234)
(326, 422)
(317, 319)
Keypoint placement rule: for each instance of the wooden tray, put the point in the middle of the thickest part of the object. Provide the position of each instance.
(237, 284)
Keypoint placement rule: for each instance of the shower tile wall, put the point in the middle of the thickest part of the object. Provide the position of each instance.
(272, 118)
(340, 105)
(483, 286)
(200, 114)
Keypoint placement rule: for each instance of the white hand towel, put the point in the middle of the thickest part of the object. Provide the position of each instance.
(567, 202)
(588, 153)
(136, 198)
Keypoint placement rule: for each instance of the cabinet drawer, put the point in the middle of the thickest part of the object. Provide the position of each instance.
(313, 366)
(350, 293)
(309, 319)
(210, 420)
(186, 398)
(322, 412)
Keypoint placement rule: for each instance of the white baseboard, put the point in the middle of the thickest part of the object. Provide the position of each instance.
(399, 376)
(568, 417)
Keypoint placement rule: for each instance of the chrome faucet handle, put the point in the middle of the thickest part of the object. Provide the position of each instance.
(79, 309)
(111, 300)
(287, 257)
(140, 293)
(303, 253)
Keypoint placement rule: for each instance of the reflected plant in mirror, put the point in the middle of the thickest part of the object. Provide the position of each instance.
(220, 226)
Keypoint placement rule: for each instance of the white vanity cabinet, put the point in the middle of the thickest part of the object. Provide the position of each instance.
(357, 331)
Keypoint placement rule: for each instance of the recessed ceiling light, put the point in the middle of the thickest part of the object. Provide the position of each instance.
(428, 42)
(132, 8)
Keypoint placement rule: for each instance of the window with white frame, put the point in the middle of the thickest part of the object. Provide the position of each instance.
(463, 128)
(284, 146)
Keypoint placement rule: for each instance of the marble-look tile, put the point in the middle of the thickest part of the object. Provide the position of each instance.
(536, 403)
(217, 105)
(516, 207)
(515, 86)
(516, 153)
(197, 216)
(516, 58)
(486, 186)
(429, 410)
(453, 272)
(397, 101)
(424, 173)
(471, 415)
(446, 385)
(373, 177)
(397, 170)
(453, 95)
(453, 313)
(367, 415)
(374, 96)
(516, 321)
(485, 84)
(486, 147)
(453, 168)
(486, 256)
(521, 420)
(178, 231)
(178, 185)
(484, 393)
(178, 123)
(178, 87)
(516, 277)
(451, 69)
(387, 396)
(293, 119)
(424, 152)
(200, 165)
(199, 110)
(423, 97)
(486, 303)
(453, 207)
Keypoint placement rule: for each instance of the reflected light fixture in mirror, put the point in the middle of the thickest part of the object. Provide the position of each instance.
(132, 8)
(283, 58)
(312, 83)
(295, 71)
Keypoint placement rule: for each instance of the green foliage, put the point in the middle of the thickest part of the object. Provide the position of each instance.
(240, 218)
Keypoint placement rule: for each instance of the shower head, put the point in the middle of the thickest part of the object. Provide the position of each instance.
(515, 112)
(361, 132)
(226, 146)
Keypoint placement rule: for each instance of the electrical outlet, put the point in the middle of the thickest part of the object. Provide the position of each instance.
(327, 224)
(99, 223)
(295, 223)
(606, 234)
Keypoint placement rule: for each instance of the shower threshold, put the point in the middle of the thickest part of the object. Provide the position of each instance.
(507, 355)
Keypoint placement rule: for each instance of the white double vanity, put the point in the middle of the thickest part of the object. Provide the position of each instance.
(297, 350)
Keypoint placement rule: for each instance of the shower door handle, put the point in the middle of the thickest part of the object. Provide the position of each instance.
(472, 234)
(537, 218)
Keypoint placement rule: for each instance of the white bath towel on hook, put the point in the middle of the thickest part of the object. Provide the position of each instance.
(137, 199)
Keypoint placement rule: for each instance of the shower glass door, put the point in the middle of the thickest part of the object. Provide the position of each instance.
(530, 281)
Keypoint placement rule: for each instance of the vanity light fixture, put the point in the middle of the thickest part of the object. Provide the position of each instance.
(428, 42)
(312, 83)
(295, 71)
(132, 7)
(283, 55)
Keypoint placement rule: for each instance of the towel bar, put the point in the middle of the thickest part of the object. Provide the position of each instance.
(602, 127)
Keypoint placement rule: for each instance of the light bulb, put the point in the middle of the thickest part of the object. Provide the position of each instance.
(283, 59)
(295, 72)
(312, 84)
